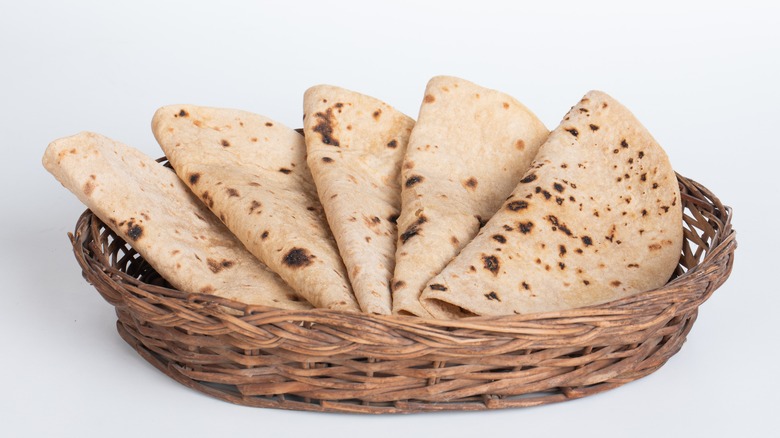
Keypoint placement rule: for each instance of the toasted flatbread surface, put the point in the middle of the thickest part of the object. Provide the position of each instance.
(598, 217)
(148, 206)
(467, 151)
(355, 146)
(251, 172)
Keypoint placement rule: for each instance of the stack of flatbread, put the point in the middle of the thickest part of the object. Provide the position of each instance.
(473, 209)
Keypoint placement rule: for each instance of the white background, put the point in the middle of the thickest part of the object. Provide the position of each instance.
(702, 77)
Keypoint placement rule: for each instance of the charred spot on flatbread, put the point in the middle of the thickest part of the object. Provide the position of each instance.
(217, 266)
(558, 225)
(134, 231)
(499, 238)
(413, 229)
(207, 199)
(324, 127)
(470, 184)
(412, 180)
(297, 258)
(491, 263)
(492, 295)
(528, 178)
(525, 227)
(517, 205)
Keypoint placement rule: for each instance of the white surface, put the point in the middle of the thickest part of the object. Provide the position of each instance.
(702, 77)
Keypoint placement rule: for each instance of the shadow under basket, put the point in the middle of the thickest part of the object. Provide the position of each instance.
(333, 361)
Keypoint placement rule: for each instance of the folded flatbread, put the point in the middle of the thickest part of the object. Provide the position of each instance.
(251, 172)
(468, 150)
(355, 146)
(149, 207)
(598, 217)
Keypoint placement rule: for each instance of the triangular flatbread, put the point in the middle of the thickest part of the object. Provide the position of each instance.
(148, 206)
(355, 147)
(598, 217)
(251, 172)
(468, 150)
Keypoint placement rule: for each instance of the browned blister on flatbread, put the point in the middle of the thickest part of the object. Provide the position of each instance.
(251, 172)
(355, 147)
(596, 218)
(467, 151)
(149, 207)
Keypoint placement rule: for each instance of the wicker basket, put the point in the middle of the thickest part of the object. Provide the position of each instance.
(321, 360)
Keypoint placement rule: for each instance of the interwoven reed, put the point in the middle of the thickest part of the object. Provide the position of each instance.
(334, 361)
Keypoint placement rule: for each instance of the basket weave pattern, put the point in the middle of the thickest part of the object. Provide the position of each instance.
(335, 361)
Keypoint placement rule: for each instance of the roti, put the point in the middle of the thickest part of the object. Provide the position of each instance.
(469, 148)
(355, 146)
(598, 217)
(251, 172)
(149, 207)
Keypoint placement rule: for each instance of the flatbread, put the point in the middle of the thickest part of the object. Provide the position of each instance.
(468, 150)
(355, 146)
(598, 217)
(148, 206)
(251, 172)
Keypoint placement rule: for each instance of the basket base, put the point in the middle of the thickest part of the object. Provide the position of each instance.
(634, 362)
